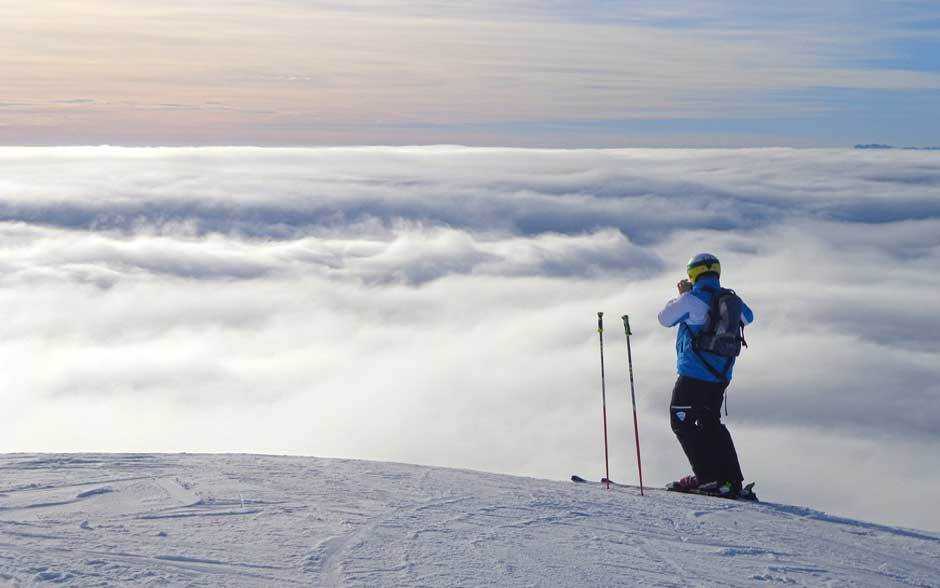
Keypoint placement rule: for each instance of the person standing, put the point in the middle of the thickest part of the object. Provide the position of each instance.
(695, 408)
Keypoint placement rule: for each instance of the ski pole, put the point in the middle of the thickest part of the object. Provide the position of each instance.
(600, 332)
(636, 429)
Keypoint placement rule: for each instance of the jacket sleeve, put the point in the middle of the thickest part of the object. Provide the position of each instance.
(676, 311)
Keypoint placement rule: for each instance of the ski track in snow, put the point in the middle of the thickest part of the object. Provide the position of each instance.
(243, 520)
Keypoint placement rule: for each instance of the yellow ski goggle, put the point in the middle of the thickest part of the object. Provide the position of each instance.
(698, 270)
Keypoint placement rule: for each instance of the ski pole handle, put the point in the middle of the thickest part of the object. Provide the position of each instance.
(600, 322)
(626, 325)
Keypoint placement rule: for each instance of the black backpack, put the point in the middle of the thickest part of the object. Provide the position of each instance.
(723, 331)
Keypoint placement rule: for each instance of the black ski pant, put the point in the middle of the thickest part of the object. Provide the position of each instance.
(695, 415)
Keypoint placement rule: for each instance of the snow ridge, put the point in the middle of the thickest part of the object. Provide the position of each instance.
(246, 520)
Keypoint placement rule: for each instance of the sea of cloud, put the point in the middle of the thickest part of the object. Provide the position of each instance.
(438, 305)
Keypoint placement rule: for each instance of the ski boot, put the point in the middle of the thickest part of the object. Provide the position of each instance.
(729, 489)
(685, 484)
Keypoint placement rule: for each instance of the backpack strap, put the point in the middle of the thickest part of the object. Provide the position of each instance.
(722, 375)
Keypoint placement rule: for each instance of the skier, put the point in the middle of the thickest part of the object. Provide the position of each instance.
(695, 409)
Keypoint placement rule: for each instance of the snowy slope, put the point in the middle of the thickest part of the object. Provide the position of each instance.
(240, 520)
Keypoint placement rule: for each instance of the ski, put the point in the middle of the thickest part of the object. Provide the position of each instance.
(603, 482)
(579, 480)
(746, 495)
(618, 484)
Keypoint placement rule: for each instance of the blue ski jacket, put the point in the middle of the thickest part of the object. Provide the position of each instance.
(689, 311)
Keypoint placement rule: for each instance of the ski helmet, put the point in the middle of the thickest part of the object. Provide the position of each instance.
(703, 263)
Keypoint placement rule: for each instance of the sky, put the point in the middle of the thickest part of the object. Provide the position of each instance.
(437, 305)
(489, 73)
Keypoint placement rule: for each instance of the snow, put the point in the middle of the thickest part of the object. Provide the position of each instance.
(245, 520)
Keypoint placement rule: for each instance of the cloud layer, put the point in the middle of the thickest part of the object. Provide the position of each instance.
(438, 305)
